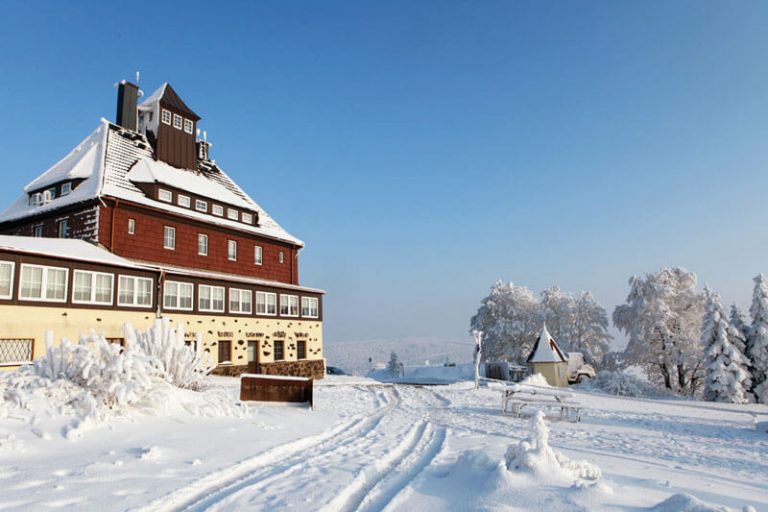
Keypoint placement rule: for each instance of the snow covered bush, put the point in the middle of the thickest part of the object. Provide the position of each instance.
(621, 383)
(534, 454)
(537, 380)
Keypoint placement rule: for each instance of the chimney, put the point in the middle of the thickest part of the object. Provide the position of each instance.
(127, 99)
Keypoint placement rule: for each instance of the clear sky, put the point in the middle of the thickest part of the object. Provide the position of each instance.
(423, 150)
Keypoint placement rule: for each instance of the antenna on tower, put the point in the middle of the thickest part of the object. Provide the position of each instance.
(138, 76)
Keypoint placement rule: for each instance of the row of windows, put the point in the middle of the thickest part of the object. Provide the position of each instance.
(62, 229)
(49, 194)
(278, 350)
(44, 283)
(177, 121)
(169, 242)
(218, 210)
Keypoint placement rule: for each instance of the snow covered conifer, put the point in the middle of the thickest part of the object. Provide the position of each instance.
(394, 364)
(757, 341)
(739, 323)
(724, 364)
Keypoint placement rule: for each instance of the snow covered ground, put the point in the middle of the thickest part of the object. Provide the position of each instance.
(374, 446)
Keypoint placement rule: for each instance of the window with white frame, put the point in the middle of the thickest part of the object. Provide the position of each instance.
(240, 301)
(233, 214)
(281, 257)
(309, 307)
(257, 255)
(66, 188)
(166, 117)
(231, 250)
(202, 244)
(165, 195)
(266, 303)
(131, 226)
(247, 218)
(37, 231)
(6, 279)
(217, 210)
(201, 206)
(183, 200)
(63, 228)
(177, 295)
(210, 298)
(289, 305)
(169, 238)
(39, 282)
(177, 121)
(188, 125)
(134, 291)
(92, 287)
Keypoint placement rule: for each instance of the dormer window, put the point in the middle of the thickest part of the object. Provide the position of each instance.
(201, 206)
(66, 188)
(183, 200)
(232, 214)
(247, 218)
(177, 121)
(166, 117)
(218, 210)
(188, 125)
(165, 195)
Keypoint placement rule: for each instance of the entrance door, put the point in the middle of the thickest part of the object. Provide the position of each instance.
(253, 363)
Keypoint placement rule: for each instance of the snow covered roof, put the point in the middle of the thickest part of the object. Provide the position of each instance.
(104, 161)
(68, 248)
(545, 350)
(167, 95)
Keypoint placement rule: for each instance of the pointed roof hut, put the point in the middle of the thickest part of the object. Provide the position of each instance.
(547, 359)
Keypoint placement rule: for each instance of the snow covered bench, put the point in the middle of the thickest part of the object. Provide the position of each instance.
(515, 398)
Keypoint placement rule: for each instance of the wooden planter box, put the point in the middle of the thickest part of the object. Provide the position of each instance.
(276, 388)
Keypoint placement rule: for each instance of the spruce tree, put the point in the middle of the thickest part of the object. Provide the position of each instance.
(757, 341)
(725, 366)
(740, 329)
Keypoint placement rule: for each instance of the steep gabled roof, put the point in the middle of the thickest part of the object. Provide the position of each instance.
(545, 350)
(107, 156)
(166, 95)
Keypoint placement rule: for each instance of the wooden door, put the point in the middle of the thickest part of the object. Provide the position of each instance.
(253, 357)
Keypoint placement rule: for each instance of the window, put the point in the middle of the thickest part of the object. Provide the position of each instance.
(192, 344)
(301, 349)
(134, 291)
(309, 307)
(169, 238)
(231, 250)
(165, 195)
(63, 228)
(217, 209)
(257, 255)
(201, 206)
(247, 218)
(225, 351)
(131, 226)
(51, 192)
(38, 231)
(289, 305)
(92, 287)
(279, 350)
(202, 244)
(183, 200)
(15, 351)
(188, 125)
(266, 303)
(177, 121)
(66, 188)
(43, 283)
(233, 214)
(281, 257)
(6, 279)
(166, 117)
(240, 301)
(178, 295)
(210, 298)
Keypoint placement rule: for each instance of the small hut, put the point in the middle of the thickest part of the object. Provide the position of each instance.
(547, 359)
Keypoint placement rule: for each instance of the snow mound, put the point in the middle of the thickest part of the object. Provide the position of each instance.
(537, 380)
(685, 503)
(535, 455)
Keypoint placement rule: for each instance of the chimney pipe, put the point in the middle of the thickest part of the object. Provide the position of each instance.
(127, 99)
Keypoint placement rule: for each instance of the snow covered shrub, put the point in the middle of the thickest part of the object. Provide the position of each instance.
(537, 380)
(621, 383)
(534, 454)
(178, 363)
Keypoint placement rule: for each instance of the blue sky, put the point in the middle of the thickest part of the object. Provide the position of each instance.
(423, 150)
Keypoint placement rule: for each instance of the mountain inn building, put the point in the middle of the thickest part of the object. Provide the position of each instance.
(138, 222)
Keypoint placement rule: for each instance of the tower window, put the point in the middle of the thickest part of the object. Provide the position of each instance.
(177, 121)
(188, 125)
(166, 117)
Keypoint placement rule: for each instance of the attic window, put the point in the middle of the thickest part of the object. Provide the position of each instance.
(165, 195)
(232, 214)
(201, 206)
(177, 121)
(166, 117)
(183, 200)
(217, 209)
(188, 125)
(66, 188)
(247, 218)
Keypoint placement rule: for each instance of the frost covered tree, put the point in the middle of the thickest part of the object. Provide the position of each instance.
(589, 334)
(662, 318)
(757, 341)
(740, 328)
(510, 319)
(558, 312)
(725, 366)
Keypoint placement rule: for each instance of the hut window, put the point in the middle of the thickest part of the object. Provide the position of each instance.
(166, 117)
(178, 295)
(301, 349)
(279, 350)
(289, 305)
(309, 307)
(92, 287)
(6, 279)
(188, 126)
(240, 301)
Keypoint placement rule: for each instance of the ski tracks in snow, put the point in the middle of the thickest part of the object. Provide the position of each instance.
(361, 464)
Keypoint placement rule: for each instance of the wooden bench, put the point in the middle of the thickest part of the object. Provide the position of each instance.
(276, 388)
(515, 398)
